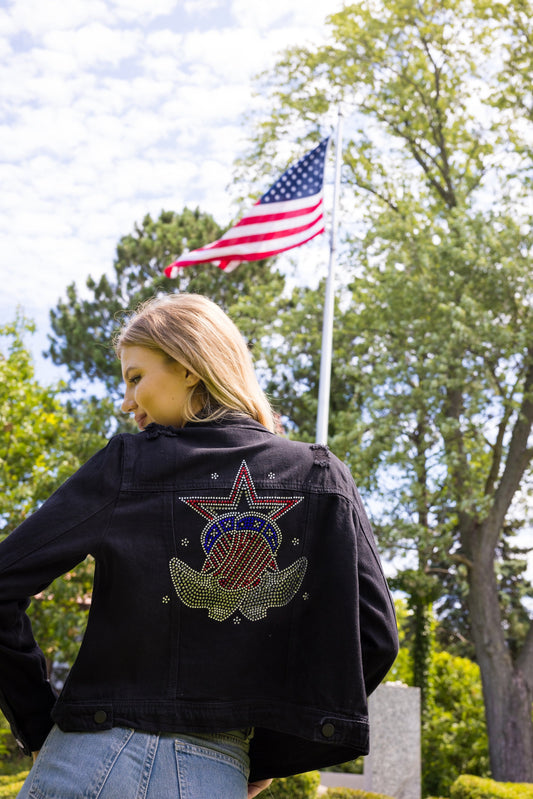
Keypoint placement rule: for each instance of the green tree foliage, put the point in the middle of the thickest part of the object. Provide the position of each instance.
(31, 423)
(42, 443)
(402, 668)
(83, 328)
(433, 363)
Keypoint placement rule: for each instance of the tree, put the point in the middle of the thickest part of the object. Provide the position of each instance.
(83, 329)
(42, 443)
(435, 405)
(436, 376)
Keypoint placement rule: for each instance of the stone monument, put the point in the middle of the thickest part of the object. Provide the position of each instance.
(393, 766)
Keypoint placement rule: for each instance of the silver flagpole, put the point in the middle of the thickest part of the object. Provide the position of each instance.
(329, 304)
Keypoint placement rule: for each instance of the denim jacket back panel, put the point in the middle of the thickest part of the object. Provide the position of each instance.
(229, 566)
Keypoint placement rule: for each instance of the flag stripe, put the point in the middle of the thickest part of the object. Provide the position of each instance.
(269, 253)
(248, 232)
(262, 236)
(253, 250)
(285, 210)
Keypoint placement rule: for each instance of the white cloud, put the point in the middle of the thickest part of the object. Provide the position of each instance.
(229, 53)
(94, 44)
(7, 23)
(256, 14)
(140, 11)
(54, 130)
(201, 6)
(38, 223)
(5, 48)
(165, 41)
(36, 17)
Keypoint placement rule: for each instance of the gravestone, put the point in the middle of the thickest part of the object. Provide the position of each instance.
(393, 766)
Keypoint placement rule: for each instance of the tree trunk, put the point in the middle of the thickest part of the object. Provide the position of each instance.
(507, 686)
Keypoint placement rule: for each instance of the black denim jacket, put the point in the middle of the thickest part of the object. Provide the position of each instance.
(237, 584)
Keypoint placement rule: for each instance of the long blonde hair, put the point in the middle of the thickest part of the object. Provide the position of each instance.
(193, 330)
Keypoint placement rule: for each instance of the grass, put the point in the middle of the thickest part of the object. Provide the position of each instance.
(10, 784)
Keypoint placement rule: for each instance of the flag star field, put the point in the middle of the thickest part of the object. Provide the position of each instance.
(301, 180)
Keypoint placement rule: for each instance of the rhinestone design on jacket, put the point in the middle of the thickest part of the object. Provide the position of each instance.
(240, 572)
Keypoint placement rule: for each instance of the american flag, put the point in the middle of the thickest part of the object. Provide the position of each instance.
(289, 214)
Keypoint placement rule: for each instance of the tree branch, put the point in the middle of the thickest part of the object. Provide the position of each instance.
(518, 457)
(497, 453)
(457, 558)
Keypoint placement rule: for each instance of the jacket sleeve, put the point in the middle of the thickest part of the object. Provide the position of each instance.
(58, 536)
(377, 616)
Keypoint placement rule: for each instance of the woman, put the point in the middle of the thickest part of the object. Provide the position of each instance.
(239, 617)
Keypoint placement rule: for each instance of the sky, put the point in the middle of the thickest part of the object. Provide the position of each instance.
(111, 109)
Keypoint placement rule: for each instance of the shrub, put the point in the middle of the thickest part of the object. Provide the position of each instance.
(468, 786)
(352, 793)
(299, 786)
(454, 736)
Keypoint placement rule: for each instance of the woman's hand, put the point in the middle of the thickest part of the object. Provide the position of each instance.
(256, 787)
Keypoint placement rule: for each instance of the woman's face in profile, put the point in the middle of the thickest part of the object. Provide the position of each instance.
(157, 388)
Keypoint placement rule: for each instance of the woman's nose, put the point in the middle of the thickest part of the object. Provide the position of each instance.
(128, 404)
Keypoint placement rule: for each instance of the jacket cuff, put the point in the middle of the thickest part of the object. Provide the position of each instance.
(30, 733)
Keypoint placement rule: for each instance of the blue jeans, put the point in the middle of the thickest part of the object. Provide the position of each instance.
(124, 764)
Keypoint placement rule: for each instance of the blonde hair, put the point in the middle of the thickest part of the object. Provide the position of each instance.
(195, 332)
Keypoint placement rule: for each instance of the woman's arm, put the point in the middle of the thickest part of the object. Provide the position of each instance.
(256, 787)
(52, 541)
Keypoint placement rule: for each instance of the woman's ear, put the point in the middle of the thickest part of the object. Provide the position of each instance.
(191, 379)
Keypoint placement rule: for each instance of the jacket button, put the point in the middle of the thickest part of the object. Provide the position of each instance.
(100, 716)
(328, 730)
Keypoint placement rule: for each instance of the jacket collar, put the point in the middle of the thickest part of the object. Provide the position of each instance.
(155, 430)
